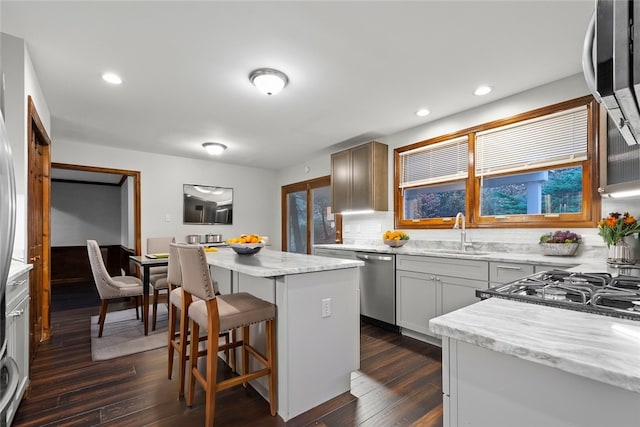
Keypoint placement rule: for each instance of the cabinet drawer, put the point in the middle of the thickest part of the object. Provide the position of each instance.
(16, 290)
(453, 267)
(505, 272)
(545, 267)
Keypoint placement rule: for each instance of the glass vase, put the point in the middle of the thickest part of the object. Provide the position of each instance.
(620, 253)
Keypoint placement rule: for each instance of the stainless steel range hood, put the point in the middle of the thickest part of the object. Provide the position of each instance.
(611, 63)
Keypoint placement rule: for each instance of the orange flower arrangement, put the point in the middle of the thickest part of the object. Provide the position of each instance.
(615, 227)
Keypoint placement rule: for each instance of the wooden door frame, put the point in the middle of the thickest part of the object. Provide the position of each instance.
(37, 131)
(136, 193)
(307, 186)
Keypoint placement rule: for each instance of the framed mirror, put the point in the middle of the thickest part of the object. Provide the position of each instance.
(205, 204)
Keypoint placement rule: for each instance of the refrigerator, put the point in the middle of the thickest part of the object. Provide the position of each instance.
(8, 367)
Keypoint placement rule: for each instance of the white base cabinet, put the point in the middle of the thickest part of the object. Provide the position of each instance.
(17, 334)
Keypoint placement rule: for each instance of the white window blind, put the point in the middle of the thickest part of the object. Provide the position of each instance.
(550, 140)
(443, 161)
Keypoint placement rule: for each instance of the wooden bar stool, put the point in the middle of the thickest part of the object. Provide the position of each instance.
(176, 303)
(219, 314)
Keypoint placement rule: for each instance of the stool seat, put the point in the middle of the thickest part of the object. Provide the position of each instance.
(234, 310)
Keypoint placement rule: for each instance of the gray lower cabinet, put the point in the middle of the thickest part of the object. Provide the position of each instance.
(17, 333)
(483, 388)
(427, 287)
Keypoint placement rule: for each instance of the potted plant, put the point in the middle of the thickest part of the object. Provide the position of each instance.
(560, 243)
(613, 229)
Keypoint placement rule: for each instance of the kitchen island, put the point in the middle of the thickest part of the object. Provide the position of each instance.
(318, 320)
(508, 363)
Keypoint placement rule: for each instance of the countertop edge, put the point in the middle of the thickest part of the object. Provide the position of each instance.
(17, 268)
(575, 263)
(268, 263)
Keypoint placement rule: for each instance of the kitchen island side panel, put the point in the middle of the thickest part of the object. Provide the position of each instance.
(321, 352)
(496, 389)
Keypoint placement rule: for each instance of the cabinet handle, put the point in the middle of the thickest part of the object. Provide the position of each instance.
(508, 267)
(20, 283)
(16, 313)
(432, 278)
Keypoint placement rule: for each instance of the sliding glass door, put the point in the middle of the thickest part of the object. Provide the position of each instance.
(307, 219)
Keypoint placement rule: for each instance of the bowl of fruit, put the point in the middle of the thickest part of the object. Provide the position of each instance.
(394, 238)
(246, 244)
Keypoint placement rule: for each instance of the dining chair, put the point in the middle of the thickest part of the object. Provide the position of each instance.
(158, 275)
(110, 287)
(176, 343)
(219, 313)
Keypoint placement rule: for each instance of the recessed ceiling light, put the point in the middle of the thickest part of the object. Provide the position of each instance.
(112, 78)
(422, 112)
(214, 148)
(482, 90)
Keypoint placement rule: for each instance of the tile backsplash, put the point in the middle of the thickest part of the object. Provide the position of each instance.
(368, 229)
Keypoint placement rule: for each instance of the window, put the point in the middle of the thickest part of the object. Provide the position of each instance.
(535, 169)
(434, 177)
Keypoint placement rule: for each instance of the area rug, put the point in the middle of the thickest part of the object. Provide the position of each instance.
(123, 334)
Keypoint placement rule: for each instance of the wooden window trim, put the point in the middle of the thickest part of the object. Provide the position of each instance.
(323, 181)
(591, 202)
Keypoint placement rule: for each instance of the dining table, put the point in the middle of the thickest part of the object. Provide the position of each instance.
(146, 262)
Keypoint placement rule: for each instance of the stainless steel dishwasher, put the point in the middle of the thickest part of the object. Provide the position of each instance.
(378, 287)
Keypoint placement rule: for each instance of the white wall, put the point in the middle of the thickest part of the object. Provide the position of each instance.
(84, 211)
(20, 82)
(367, 227)
(255, 204)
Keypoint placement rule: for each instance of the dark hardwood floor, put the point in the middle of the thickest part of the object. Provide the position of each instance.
(398, 384)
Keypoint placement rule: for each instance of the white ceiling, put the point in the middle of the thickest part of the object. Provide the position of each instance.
(358, 70)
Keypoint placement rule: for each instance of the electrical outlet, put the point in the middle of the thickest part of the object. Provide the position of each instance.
(326, 307)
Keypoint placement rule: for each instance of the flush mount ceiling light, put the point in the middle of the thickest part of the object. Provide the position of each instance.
(214, 148)
(268, 80)
(482, 90)
(112, 78)
(422, 112)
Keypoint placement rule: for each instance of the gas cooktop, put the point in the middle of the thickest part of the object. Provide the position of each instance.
(598, 293)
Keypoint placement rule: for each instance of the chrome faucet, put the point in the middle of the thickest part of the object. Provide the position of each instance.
(463, 230)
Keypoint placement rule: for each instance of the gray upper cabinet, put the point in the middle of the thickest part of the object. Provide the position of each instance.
(359, 178)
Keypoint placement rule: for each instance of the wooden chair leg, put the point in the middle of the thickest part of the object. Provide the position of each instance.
(271, 356)
(182, 345)
(245, 353)
(102, 316)
(193, 360)
(155, 309)
(233, 351)
(211, 378)
(173, 311)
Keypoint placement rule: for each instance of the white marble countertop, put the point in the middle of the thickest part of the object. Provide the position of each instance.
(268, 263)
(584, 262)
(17, 268)
(599, 347)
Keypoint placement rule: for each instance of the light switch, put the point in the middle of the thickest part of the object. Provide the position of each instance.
(167, 217)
